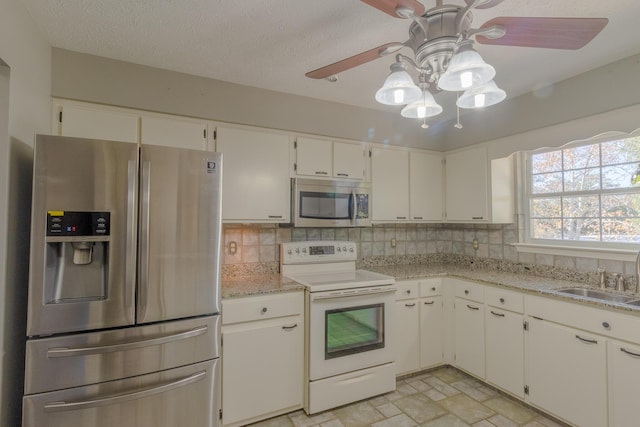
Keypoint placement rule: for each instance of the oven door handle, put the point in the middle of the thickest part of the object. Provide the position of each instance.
(357, 294)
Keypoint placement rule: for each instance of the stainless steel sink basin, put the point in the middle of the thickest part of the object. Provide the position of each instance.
(601, 295)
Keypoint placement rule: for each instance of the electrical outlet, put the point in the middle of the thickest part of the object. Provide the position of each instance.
(233, 248)
(476, 245)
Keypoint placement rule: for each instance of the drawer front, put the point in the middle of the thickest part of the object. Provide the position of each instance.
(430, 287)
(469, 290)
(407, 289)
(507, 300)
(248, 309)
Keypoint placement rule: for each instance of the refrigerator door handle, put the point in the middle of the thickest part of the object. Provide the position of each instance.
(111, 348)
(121, 398)
(132, 232)
(143, 283)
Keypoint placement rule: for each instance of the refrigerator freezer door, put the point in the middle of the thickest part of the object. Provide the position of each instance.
(186, 396)
(95, 357)
(180, 229)
(80, 281)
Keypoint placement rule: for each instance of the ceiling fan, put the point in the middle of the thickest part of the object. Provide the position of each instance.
(441, 39)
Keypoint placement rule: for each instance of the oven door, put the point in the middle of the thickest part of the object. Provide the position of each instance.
(350, 330)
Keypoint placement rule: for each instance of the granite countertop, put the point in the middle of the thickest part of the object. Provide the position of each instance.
(271, 283)
(257, 285)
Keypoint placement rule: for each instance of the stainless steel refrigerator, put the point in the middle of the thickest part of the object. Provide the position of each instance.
(123, 325)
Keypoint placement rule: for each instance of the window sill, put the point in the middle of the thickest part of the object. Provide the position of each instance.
(572, 251)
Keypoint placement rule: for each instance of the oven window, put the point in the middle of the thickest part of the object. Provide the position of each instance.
(353, 330)
(320, 205)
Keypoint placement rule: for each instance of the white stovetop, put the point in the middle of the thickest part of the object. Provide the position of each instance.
(337, 280)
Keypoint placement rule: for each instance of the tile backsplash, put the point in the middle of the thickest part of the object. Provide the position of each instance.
(258, 248)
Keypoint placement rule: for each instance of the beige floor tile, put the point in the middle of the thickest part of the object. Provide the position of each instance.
(547, 422)
(388, 410)
(483, 423)
(470, 390)
(510, 409)
(378, 400)
(282, 421)
(434, 395)
(400, 420)
(441, 386)
(300, 419)
(446, 421)
(449, 375)
(406, 389)
(466, 408)
(332, 423)
(502, 421)
(359, 414)
(420, 408)
(420, 385)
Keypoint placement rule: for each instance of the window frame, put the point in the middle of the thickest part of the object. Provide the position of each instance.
(531, 244)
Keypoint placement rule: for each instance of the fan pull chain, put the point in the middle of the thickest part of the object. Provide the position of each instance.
(458, 125)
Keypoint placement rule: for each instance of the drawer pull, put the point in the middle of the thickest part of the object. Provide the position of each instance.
(587, 340)
(410, 305)
(630, 353)
(275, 216)
(429, 302)
(408, 291)
(497, 314)
(321, 173)
(289, 328)
(466, 292)
(470, 307)
(502, 300)
(264, 310)
(433, 289)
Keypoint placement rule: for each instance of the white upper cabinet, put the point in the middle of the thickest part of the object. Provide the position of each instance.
(330, 159)
(425, 186)
(174, 132)
(349, 160)
(256, 186)
(476, 189)
(390, 184)
(95, 122)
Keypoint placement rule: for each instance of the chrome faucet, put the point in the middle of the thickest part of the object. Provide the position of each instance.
(602, 272)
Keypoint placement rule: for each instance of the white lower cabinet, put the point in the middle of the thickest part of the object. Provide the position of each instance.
(419, 320)
(566, 372)
(624, 383)
(469, 327)
(262, 357)
(504, 340)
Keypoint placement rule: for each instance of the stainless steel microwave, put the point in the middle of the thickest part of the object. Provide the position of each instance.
(324, 203)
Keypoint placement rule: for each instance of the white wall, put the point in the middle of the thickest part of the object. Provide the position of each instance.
(25, 76)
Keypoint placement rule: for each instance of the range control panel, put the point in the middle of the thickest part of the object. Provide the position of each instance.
(317, 251)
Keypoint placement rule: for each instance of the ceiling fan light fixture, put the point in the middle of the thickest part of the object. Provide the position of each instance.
(466, 69)
(484, 95)
(398, 88)
(424, 107)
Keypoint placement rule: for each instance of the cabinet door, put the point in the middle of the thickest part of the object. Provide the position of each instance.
(425, 186)
(95, 123)
(431, 331)
(173, 132)
(390, 185)
(469, 321)
(262, 369)
(313, 157)
(505, 350)
(349, 161)
(624, 383)
(466, 185)
(566, 373)
(407, 336)
(256, 186)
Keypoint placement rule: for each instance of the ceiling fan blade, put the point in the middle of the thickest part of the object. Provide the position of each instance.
(391, 6)
(549, 33)
(486, 4)
(354, 61)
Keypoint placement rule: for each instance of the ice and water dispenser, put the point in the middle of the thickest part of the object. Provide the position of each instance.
(76, 256)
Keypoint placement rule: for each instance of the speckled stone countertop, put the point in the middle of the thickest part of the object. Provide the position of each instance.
(256, 285)
(529, 283)
(542, 286)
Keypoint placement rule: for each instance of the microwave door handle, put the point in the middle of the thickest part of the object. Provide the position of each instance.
(353, 206)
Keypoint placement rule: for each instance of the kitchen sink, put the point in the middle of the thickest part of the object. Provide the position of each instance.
(601, 295)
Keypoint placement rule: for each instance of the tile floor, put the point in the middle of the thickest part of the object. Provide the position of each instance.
(444, 397)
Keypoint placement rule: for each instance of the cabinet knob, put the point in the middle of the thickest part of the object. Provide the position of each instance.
(264, 310)
(502, 300)
(433, 289)
(606, 325)
(408, 291)
(466, 292)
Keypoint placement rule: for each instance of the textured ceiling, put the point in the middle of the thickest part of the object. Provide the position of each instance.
(271, 44)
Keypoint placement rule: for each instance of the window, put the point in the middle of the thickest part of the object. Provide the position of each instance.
(588, 195)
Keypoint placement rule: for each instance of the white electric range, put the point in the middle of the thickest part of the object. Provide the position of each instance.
(349, 320)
